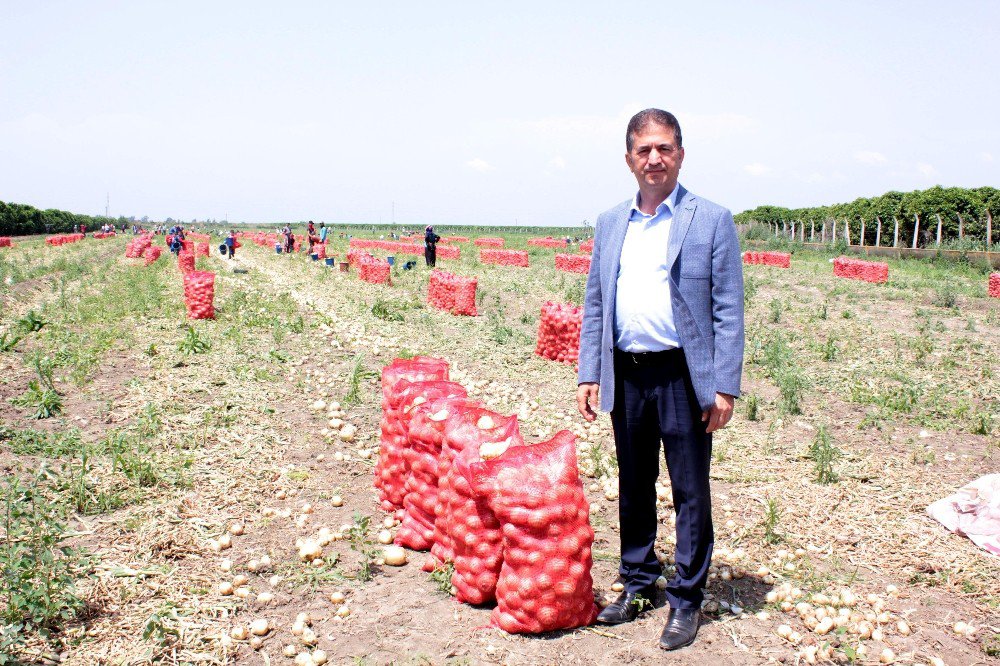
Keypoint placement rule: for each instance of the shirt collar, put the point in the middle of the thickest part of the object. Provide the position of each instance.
(670, 202)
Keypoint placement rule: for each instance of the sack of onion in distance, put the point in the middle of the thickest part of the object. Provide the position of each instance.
(559, 332)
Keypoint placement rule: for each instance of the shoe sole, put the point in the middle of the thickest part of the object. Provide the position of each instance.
(666, 648)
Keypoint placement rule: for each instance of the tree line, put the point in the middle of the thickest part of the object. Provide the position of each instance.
(22, 220)
(967, 209)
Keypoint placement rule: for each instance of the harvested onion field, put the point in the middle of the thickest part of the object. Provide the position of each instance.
(181, 461)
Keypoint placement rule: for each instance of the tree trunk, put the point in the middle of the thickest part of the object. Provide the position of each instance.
(961, 227)
(878, 231)
(862, 232)
(895, 231)
(916, 229)
(834, 224)
(812, 231)
(939, 230)
(847, 232)
(989, 230)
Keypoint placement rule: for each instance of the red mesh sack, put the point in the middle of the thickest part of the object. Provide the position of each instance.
(489, 242)
(320, 249)
(201, 249)
(857, 269)
(199, 294)
(535, 491)
(452, 293)
(137, 247)
(151, 254)
(5, 241)
(394, 376)
(559, 332)
(573, 263)
(392, 465)
(548, 241)
(465, 530)
(517, 258)
(185, 261)
(425, 434)
(587, 246)
(993, 286)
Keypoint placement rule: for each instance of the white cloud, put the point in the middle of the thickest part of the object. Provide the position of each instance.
(557, 162)
(926, 169)
(757, 169)
(870, 157)
(479, 165)
(986, 157)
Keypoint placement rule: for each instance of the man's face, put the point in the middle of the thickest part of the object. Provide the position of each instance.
(655, 159)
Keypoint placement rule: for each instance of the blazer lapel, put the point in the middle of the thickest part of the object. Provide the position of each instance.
(616, 239)
(680, 225)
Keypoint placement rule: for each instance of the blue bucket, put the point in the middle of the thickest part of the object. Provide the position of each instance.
(330, 261)
(390, 260)
(277, 249)
(315, 257)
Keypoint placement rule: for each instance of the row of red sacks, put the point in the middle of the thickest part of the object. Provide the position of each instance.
(504, 257)
(138, 246)
(513, 519)
(271, 240)
(101, 235)
(559, 332)
(587, 246)
(779, 259)
(548, 241)
(573, 263)
(452, 293)
(6, 242)
(858, 269)
(489, 242)
(993, 288)
(63, 239)
(399, 247)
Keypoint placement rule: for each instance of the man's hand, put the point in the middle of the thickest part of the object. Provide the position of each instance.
(718, 416)
(587, 398)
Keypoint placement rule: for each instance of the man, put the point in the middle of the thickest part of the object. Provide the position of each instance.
(661, 347)
(430, 246)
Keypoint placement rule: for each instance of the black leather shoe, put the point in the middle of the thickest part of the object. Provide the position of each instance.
(681, 628)
(627, 607)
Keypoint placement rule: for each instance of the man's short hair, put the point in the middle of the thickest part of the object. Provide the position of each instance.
(647, 117)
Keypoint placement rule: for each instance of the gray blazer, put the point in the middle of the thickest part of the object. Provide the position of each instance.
(706, 295)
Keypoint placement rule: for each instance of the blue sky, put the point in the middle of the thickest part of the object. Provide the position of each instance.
(489, 113)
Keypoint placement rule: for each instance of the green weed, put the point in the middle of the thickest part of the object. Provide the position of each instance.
(823, 454)
(192, 343)
(44, 400)
(772, 515)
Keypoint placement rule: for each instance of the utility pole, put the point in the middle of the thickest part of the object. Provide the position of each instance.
(107, 205)
(394, 212)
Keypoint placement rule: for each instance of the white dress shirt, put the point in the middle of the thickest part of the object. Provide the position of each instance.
(644, 320)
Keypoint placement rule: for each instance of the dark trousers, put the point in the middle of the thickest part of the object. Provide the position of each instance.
(430, 256)
(655, 402)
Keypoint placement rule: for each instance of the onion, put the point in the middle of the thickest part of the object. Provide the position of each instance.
(337, 598)
(309, 550)
(617, 587)
(343, 612)
(238, 633)
(784, 630)
(304, 659)
(385, 537)
(887, 656)
(236, 529)
(337, 500)
(394, 556)
(240, 580)
(319, 657)
(259, 627)
(225, 588)
(903, 628)
(265, 598)
(308, 636)
(226, 565)
(225, 542)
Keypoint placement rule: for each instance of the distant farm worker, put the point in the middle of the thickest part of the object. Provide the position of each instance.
(661, 348)
(289, 239)
(231, 244)
(322, 232)
(430, 246)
